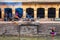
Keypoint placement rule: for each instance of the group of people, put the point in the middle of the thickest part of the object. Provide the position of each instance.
(10, 17)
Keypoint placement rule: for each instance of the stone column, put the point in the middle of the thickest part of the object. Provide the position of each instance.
(24, 14)
(46, 12)
(35, 14)
(2, 14)
(13, 11)
(57, 12)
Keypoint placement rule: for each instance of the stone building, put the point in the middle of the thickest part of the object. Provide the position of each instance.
(37, 8)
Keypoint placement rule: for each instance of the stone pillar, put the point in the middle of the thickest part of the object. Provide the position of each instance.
(57, 12)
(2, 14)
(24, 14)
(46, 12)
(35, 14)
(13, 11)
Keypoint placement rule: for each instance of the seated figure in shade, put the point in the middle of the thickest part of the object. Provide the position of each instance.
(16, 16)
(10, 16)
(29, 16)
(19, 12)
(5, 17)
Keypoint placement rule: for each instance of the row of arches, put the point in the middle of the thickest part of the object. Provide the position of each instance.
(30, 12)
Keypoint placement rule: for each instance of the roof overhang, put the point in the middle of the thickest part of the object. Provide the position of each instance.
(29, 0)
(20, 3)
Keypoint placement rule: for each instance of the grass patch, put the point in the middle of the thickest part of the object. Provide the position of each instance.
(28, 38)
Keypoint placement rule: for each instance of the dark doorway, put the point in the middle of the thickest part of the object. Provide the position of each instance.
(30, 13)
(18, 13)
(0, 12)
(51, 12)
(59, 12)
(8, 14)
(40, 13)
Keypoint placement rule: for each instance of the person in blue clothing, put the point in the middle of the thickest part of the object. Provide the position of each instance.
(10, 16)
(29, 16)
(19, 12)
(5, 17)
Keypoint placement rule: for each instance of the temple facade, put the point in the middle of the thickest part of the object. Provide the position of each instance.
(46, 11)
(31, 9)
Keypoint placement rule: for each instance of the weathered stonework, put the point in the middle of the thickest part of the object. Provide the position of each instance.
(13, 29)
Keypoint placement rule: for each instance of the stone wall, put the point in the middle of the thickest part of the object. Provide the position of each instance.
(12, 29)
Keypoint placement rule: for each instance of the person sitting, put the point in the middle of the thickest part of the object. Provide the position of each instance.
(16, 17)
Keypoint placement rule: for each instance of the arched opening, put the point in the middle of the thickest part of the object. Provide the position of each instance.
(51, 12)
(30, 13)
(0, 12)
(18, 13)
(40, 13)
(8, 14)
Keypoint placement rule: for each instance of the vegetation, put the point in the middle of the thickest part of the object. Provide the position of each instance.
(28, 38)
